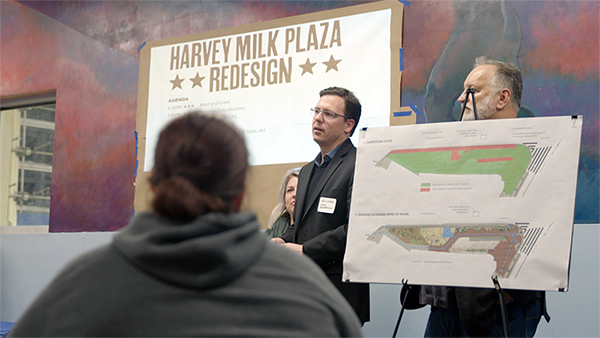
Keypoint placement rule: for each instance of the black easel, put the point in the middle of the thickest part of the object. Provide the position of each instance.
(502, 306)
(470, 91)
(496, 286)
(402, 302)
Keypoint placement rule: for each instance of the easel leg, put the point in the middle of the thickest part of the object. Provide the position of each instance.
(502, 306)
(402, 301)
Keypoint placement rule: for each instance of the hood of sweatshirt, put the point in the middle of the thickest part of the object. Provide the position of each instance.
(210, 251)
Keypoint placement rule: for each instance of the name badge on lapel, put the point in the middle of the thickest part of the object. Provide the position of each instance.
(327, 205)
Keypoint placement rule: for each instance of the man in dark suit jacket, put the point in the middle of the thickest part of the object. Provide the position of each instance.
(323, 194)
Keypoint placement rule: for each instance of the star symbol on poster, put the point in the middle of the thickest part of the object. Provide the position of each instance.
(331, 64)
(177, 82)
(307, 67)
(197, 80)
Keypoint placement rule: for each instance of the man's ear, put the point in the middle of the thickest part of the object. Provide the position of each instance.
(349, 125)
(504, 99)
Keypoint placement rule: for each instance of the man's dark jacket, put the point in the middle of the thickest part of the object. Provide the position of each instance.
(323, 235)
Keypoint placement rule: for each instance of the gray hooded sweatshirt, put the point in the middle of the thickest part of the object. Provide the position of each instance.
(215, 276)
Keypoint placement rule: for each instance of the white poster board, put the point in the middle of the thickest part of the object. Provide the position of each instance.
(457, 203)
(265, 77)
(266, 81)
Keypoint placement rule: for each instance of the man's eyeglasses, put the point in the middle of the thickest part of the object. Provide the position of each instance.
(327, 115)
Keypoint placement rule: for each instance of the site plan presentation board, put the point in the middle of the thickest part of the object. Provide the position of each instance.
(265, 77)
(460, 202)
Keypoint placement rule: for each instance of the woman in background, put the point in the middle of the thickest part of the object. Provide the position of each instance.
(283, 214)
(195, 265)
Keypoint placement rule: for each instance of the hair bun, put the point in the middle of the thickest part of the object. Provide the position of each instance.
(200, 166)
(182, 201)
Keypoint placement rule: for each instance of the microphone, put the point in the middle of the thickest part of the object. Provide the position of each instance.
(469, 91)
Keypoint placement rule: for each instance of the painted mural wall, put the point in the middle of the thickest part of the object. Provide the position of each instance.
(554, 42)
(88, 51)
(96, 89)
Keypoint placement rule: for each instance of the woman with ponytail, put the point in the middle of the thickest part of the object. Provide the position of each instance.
(195, 265)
